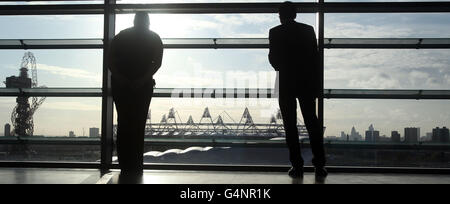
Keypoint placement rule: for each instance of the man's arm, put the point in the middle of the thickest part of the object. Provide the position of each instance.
(157, 62)
(314, 50)
(113, 62)
(154, 66)
(274, 57)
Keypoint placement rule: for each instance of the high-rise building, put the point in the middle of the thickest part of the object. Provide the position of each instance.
(355, 136)
(94, 132)
(441, 135)
(372, 135)
(412, 135)
(344, 137)
(395, 136)
(7, 130)
(72, 134)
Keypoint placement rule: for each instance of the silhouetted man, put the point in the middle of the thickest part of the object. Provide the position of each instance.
(294, 54)
(135, 56)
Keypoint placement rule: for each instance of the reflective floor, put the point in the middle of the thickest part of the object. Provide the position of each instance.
(74, 176)
(198, 177)
(48, 176)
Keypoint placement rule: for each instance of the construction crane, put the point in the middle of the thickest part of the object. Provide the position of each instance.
(22, 115)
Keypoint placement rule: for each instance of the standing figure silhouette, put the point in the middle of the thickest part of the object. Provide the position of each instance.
(135, 56)
(294, 54)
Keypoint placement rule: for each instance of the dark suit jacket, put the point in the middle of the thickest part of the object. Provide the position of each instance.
(294, 53)
(134, 52)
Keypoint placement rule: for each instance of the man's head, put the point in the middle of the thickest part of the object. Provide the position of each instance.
(288, 12)
(141, 20)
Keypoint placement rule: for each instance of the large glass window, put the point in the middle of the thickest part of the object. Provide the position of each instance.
(51, 27)
(57, 68)
(65, 129)
(216, 131)
(235, 130)
(390, 25)
(211, 25)
(387, 133)
(387, 69)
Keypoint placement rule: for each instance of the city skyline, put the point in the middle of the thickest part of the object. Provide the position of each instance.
(226, 118)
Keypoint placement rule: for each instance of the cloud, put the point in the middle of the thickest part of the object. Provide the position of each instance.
(72, 105)
(410, 69)
(70, 72)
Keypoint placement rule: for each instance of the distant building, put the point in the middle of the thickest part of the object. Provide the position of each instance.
(72, 134)
(94, 132)
(344, 136)
(395, 137)
(412, 135)
(372, 135)
(7, 130)
(355, 136)
(332, 138)
(384, 138)
(428, 137)
(441, 135)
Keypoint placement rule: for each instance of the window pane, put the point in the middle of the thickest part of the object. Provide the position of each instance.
(211, 26)
(235, 139)
(58, 68)
(389, 25)
(215, 69)
(51, 27)
(380, 0)
(387, 69)
(362, 147)
(52, 140)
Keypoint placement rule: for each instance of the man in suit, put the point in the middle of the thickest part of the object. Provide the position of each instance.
(135, 56)
(294, 54)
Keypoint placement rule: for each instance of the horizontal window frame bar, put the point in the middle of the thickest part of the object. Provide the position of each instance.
(303, 7)
(232, 93)
(243, 143)
(367, 43)
(228, 8)
(51, 165)
(248, 144)
(50, 92)
(233, 168)
(72, 9)
(280, 168)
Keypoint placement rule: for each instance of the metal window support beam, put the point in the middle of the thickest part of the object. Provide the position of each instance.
(235, 93)
(228, 8)
(235, 43)
(107, 99)
(320, 29)
(81, 9)
(249, 8)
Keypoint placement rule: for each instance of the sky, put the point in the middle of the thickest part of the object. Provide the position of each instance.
(240, 68)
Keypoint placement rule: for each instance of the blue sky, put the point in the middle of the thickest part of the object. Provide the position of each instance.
(374, 69)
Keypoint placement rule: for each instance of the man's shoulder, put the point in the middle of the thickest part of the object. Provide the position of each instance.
(301, 27)
(276, 28)
(154, 35)
(124, 34)
(126, 31)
